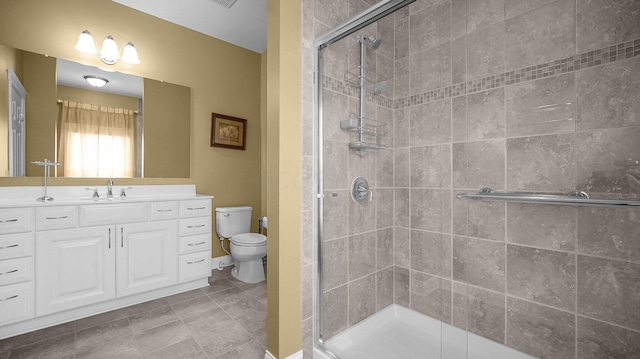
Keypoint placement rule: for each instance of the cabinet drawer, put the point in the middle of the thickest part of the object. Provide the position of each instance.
(194, 226)
(195, 208)
(16, 220)
(120, 213)
(16, 245)
(164, 210)
(194, 266)
(16, 302)
(197, 243)
(58, 217)
(16, 270)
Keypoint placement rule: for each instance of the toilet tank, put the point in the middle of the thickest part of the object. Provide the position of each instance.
(233, 220)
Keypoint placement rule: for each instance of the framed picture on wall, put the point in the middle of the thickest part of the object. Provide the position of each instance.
(228, 132)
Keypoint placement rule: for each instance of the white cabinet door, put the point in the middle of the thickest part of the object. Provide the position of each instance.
(74, 267)
(147, 256)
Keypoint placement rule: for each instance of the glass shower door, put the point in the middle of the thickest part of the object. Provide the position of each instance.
(384, 230)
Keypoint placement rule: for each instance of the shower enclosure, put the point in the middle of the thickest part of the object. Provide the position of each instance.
(477, 170)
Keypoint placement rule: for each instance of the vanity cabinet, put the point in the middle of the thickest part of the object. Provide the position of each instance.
(16, 265)
(71, 259)
(82, 266)
(195, 239)
(88, 265)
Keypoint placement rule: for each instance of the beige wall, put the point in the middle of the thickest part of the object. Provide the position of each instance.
(166, 142)
(284, 168)
(223, 78)
(97, 97)
(41, 109)
(11, 59)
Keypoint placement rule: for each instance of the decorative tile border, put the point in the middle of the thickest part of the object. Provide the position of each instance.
(585, 60)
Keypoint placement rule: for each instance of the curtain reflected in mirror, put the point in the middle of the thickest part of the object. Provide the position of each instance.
(97, 141)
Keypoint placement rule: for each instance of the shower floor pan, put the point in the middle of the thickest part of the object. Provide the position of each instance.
(400, 333)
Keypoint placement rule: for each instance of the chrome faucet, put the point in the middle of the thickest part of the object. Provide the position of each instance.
(110, 189)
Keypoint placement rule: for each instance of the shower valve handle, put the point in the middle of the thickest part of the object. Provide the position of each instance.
(366, 191)
(360, 191)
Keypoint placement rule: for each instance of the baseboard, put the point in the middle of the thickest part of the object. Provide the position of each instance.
(216, 261)
(297, 355)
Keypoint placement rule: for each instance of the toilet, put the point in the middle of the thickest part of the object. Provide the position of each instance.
(247, 249)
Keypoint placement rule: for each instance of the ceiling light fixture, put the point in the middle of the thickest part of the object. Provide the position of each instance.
(96, 81)
(109, 53)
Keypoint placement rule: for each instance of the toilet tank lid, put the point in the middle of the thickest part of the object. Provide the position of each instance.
(233, 209)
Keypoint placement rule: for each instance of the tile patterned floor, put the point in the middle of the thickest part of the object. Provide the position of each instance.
(227, 320)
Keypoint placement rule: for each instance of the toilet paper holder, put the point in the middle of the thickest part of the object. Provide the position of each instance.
(262, 223)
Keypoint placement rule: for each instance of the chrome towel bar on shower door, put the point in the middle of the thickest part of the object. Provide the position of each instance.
(572, 199)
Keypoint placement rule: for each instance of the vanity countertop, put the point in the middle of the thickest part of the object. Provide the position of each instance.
(81, 195)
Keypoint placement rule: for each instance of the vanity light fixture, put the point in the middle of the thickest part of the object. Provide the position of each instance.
(109, 53)
(96, 81)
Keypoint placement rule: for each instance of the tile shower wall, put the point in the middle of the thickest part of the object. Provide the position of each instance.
(513, 95)
(520, 96)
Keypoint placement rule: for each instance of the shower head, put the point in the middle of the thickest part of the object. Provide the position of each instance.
(375, 43)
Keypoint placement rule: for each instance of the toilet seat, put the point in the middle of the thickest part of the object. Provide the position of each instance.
(248, 239)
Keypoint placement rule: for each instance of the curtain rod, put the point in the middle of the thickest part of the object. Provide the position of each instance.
(134, 111)
(573, 198)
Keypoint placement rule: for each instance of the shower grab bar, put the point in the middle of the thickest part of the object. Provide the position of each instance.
(577, 198)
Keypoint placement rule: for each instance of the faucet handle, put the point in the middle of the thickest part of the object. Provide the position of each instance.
(95, 192)
(123, 191)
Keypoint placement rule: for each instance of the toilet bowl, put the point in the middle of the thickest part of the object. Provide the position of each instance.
(247, 249)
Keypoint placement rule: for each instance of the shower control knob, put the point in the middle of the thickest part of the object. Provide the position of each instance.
(360, 191)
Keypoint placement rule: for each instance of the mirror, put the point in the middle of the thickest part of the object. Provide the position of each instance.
(162, 121)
